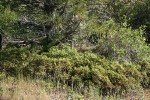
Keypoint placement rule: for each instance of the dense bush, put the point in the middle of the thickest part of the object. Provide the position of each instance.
(122, 43)
(64, 65)
(13, 60)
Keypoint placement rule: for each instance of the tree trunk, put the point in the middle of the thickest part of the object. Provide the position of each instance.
(1, 39)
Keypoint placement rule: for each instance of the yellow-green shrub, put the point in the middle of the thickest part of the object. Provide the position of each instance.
(64, 65)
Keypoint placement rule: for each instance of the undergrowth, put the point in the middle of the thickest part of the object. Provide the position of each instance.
(67, 68)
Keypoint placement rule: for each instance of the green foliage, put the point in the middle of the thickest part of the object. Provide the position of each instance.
(118, 57)
(64, 65)
(122, 43)
(145, 69)
(13, 60)
(138, 15)
(7, 19)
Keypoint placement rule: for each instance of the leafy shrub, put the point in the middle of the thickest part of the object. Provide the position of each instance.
(128, 46)
(64, 65)
(12, 60)
(145, 70)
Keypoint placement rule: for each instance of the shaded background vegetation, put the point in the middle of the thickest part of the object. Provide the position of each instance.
(77, 44)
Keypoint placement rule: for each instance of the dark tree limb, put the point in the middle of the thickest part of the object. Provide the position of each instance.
(1, 39)
(64, 7)
(67, 34)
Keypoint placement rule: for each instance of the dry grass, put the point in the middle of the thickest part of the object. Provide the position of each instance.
(138, 94)
(147, 93)
(11, 89)
(27, 90)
